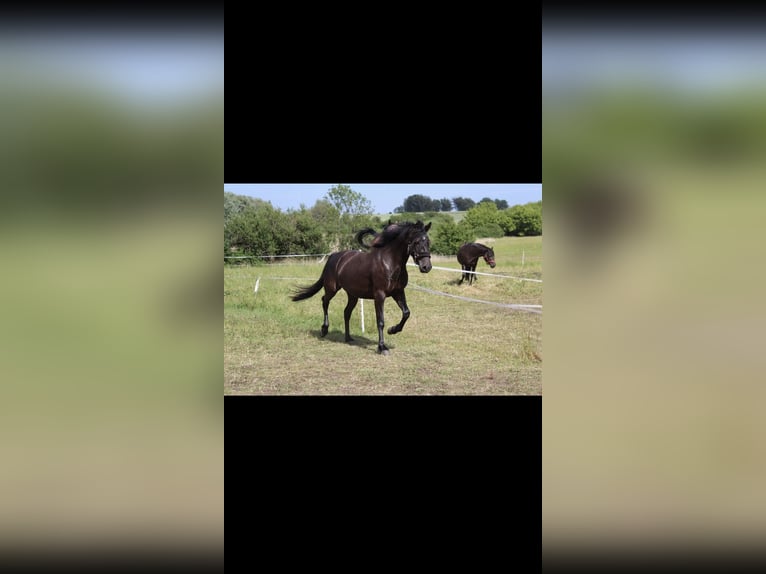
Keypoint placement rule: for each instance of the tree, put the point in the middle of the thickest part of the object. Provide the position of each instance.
(234, 203)
(449, 236)
(483, 214)
(463, 203)
(501, 204)
(308, 236)
(418, 203)
(489, 230)
(253, 230)
(528, 221)
(446, 204)
(325, 214)
(523, 220)
(347, 201)
(486, 200)
(354, 212)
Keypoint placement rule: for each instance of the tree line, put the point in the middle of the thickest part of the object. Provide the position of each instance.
(253, 226)
(421, 203)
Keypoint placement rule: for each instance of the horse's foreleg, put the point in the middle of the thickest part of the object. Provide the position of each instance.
(463, 275)
(352, 301)
(401, 300)
(380, 298)
(473, 275)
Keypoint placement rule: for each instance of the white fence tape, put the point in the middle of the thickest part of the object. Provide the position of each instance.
(480, 273)
(519, 307)
(529, 308)
(408, 264)
(267, 256)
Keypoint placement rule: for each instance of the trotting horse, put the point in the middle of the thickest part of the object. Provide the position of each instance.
(468, 256)
(376, 274)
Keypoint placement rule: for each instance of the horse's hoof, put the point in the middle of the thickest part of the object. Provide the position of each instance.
(349, 340)
(383, 351)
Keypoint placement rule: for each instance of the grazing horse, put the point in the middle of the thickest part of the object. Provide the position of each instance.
(376, 274)
(468, 256)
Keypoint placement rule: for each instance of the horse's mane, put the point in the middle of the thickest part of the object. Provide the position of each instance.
(390, 232)
(485, 247)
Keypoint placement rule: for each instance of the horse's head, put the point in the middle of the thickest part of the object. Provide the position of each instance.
(419, 246)
(489, 257)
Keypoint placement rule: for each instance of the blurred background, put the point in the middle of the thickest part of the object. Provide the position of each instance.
(654, 141)
(111, 411)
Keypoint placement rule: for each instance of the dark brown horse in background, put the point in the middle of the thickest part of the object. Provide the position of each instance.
(468, 256)
(376, 274)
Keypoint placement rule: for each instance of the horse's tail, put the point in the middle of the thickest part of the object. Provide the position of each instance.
(309, 291)
(361, 235)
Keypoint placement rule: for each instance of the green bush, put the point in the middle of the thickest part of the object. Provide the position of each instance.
(523, 220)
(489, 230)
(484, 213)
(449, 236)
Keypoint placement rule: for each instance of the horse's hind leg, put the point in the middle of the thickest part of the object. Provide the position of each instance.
(401, 300)
(463, 275)
(352, 301)
(328, 295)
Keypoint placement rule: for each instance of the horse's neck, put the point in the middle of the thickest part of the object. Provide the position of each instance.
(399, 251)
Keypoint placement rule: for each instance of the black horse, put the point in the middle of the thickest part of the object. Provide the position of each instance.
(376, 274)
(468, 256)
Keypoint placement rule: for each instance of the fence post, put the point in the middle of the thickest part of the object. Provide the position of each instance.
(361, 310)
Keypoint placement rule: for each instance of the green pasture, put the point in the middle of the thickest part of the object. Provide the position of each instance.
(272, 345)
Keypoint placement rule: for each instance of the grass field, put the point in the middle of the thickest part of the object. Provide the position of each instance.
(272, 345)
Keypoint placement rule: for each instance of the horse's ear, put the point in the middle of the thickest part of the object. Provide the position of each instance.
(428, 226)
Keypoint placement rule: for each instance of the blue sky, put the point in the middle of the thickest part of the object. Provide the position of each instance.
(385, 197)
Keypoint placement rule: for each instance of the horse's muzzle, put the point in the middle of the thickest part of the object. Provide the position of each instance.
(491, 264)
(424, 264)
